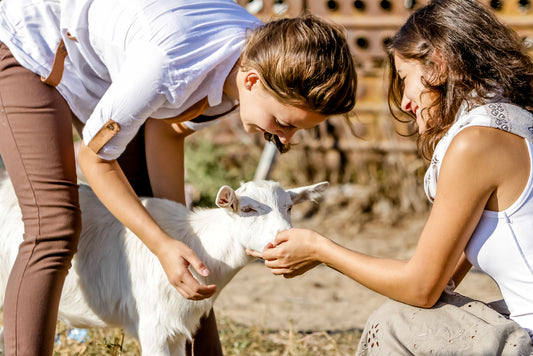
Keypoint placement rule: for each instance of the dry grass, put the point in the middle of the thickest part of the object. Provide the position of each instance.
(236, 340)
(99, 342)
(254, 341)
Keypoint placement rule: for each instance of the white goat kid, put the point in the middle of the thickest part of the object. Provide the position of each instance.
(116, 281)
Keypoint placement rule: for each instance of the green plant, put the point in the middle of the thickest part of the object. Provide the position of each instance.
(208, 166)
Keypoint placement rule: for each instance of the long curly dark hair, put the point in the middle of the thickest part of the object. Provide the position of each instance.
(481, 56)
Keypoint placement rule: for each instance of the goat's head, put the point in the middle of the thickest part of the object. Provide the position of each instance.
(263, 208)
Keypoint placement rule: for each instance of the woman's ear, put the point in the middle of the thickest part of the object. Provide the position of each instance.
(440, 66)
(251, 78)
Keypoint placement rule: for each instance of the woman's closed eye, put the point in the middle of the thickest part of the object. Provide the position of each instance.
(278, 124)
(282, 126)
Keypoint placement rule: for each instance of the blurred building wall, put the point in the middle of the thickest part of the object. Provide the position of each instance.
(370, 24)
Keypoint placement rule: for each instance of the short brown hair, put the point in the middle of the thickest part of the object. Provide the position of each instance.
(305, 62)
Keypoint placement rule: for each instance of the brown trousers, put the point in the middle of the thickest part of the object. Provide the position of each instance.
(37, 148)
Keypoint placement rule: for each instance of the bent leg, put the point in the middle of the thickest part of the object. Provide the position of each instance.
(37, 149)
(456, 325)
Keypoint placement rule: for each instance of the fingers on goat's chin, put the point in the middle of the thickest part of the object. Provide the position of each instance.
(254, 253)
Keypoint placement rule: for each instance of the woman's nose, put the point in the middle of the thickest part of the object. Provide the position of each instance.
(406, 104)
(286, 135)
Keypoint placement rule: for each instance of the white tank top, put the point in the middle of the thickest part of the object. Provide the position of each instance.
(502, 244)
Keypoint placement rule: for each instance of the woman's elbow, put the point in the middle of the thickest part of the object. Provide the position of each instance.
(426, 297)
(425, 286)
(88, 160)
(426, 303)
(83, 156)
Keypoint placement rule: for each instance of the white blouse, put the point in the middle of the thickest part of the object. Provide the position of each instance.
(130, 59)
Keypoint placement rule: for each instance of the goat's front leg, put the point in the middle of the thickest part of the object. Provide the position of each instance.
(154, 341)
(177, 346)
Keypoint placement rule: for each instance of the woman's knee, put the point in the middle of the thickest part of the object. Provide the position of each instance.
(52, 225)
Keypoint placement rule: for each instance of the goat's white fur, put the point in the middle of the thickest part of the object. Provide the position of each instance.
(116, 281)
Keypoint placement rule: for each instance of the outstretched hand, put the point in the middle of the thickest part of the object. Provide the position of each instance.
(176, 259)
(292, 253)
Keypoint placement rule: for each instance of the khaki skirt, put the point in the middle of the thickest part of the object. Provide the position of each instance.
(456, 325)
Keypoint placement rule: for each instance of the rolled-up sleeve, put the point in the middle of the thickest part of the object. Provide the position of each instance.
(134, 94)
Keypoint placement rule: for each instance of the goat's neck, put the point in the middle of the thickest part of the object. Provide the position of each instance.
(220, 249)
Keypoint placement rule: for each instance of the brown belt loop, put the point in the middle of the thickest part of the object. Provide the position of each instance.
(106, 133)
(70, 37)
(194, 111)
(56, 73)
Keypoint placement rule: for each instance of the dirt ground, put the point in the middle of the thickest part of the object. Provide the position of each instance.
(323, 299)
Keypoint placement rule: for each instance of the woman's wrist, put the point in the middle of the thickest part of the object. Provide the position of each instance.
(320, 245)
(158, 243)
(325, 249)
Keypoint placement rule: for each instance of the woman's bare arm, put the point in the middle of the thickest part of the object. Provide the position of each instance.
(113, 189)
(468, 178)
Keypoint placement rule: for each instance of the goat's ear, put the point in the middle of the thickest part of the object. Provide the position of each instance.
(226, 198)
(310, 192)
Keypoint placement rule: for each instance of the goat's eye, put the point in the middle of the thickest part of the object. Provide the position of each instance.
(289, 209)
(247, 209)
